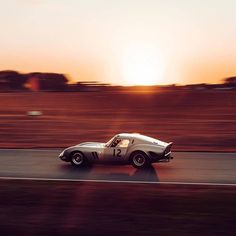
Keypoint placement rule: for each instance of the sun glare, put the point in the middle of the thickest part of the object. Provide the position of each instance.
(142, 66)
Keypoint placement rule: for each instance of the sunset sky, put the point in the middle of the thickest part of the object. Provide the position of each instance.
(121, 41)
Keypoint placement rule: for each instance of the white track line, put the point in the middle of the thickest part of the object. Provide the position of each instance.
(114, 181)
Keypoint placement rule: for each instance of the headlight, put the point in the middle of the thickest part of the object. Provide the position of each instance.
(61, 154)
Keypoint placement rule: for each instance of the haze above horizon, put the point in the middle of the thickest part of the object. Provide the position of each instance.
(123, 42)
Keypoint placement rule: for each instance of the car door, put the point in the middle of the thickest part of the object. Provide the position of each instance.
(117, 150)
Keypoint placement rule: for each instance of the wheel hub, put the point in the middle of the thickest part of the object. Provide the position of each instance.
(77, 159)
(139, 160)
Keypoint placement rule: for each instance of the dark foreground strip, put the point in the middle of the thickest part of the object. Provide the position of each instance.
(95, 208)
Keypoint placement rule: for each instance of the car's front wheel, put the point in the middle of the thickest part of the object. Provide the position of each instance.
(139, 160)
(78, 159)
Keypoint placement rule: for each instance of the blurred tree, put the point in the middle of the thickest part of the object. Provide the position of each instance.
(230, 80)
(50, 81)
(12, 80)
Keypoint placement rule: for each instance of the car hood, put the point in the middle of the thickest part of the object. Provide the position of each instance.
(91, 144)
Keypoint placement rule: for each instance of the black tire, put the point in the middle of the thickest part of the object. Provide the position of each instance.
(139, 160)
(78, 159)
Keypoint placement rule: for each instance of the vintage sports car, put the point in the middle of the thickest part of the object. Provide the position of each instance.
(127, 148)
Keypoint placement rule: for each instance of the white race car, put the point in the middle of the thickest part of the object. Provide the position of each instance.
(127, 148)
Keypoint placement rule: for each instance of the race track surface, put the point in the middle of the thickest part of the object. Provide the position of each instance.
(186, 167)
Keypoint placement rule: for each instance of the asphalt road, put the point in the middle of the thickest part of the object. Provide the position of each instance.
(186, 167)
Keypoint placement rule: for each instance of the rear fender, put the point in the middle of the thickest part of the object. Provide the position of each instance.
(145, 148)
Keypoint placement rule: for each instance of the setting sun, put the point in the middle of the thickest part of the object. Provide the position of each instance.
(142, 66)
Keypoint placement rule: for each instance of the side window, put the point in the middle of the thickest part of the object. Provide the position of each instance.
(123, 143)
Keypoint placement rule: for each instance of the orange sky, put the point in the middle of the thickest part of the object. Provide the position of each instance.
(121, 42)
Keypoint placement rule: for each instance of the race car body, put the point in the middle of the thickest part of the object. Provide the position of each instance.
(128, 148)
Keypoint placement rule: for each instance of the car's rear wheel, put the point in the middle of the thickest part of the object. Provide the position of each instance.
(78, 159)
(140, 160)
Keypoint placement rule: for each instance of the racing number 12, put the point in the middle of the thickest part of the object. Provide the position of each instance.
(116, 153)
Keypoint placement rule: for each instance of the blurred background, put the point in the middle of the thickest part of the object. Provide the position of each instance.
(73, 71)
(49, 112)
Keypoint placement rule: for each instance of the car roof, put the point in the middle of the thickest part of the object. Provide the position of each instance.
(135, 136)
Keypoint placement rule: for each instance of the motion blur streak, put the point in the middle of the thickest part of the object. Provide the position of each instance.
(69, 208)
(193, 120)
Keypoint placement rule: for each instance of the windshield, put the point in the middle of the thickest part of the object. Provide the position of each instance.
(109, 142)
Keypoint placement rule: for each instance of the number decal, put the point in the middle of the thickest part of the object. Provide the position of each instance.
(116, 153)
